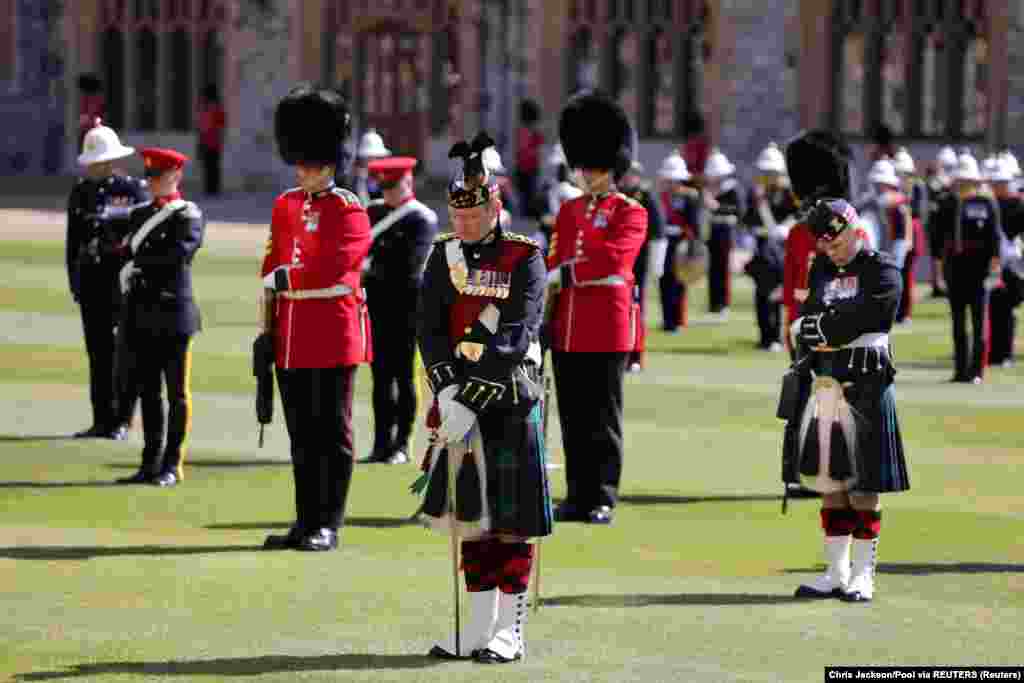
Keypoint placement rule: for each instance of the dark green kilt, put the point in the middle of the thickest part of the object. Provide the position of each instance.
(881, 466)
(518, 493)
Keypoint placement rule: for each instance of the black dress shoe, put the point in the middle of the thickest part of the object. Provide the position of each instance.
(117, 433)
(319, 540)
(93, 432)
(570, 512)
(489, 656)
(288, 541)
(143, 476)
(165, 479)
(600, 515)
(439, 652)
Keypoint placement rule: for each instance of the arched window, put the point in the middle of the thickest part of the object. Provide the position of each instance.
(112, 54)
(662, 119)
(623, 72)
(145, 80)
(180, 76)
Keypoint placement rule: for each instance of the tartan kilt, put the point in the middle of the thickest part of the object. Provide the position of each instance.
(881, 464)
(517, 488)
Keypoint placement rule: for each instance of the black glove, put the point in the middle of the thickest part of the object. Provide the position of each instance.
(810, 331)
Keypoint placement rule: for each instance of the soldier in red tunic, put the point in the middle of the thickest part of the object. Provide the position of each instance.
(596, 240)
(319, 236)
(481, 304)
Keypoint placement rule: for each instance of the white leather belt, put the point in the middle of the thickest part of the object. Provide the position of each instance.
(610, 281)
(870, 340)
(325, 293)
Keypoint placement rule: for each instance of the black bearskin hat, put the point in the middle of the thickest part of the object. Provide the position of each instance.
(529, 112)
(313, 125)
(596, 133)
(90, 84)
(819, 166)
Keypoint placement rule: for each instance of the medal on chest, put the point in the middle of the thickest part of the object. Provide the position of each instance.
(310, 217)
(841, 288)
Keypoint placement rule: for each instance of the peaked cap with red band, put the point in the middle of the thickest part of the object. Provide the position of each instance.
(159, 160)
(392, 169)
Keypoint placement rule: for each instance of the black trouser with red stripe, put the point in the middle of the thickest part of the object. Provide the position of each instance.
(719, 274)
(318, 413)
(161, 359)
(590, 407)
(394, 379)
(970, 360)
(112, 401)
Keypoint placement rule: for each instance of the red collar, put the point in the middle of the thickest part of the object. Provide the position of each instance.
(160, 202)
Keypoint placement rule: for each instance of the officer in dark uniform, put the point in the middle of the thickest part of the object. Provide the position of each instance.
(1007, 296)
(162, 315)
(970, 235)
(403, 230)
(632, 185)
(481, 304)
(723, 200)
(97, 220)
(844, 438)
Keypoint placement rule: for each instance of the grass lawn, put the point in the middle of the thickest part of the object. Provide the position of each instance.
(691, 583)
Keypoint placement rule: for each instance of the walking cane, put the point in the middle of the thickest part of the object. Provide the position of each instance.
(544, 425)
(454, 535)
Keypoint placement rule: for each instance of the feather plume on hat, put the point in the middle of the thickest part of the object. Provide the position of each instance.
(474, 182)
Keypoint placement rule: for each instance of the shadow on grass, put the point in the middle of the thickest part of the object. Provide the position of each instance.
(15, 438)
(926, 568)
(64, 552)
(214, 464)
(370, 522)
(56, 484)
(654, 499)
(653, 600)
(240, 666)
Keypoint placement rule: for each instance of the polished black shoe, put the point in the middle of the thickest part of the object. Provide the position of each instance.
(118, 433)
(93, 432)
(600, 515)
(143, 476)
(166, 479)
(489, 656)
(438, 652)
(570, 512)
(319, 540)
(288, 541)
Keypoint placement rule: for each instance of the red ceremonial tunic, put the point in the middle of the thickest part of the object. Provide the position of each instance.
(599, 239)
(801, 247)
(321, 320)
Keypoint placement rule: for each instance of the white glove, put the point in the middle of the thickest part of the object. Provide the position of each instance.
(456, 419)
(656, 253)
(128, 273)
(277, 279)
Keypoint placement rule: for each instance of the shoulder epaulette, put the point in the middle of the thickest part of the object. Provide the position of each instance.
(519, 237)
(444, 237)
(348, 196)
(191, 211)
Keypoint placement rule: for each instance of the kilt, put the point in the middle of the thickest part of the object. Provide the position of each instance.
(881, 465)
(515, 481)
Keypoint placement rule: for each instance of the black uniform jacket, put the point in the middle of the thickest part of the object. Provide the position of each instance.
(397, 257)
(503, 377)
(97, 220)
(969, 235)
(858, 298)
(161, 300)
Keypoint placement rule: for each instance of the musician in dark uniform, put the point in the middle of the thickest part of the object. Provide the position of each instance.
(723, 200)
(319, 237)
(681, 202)
(97, 216)
(770, 214)
(481, 304)
(1009, 293)
(403, 230)
(162, 315)
(970, 235)
(843, 440)
(632, 185)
